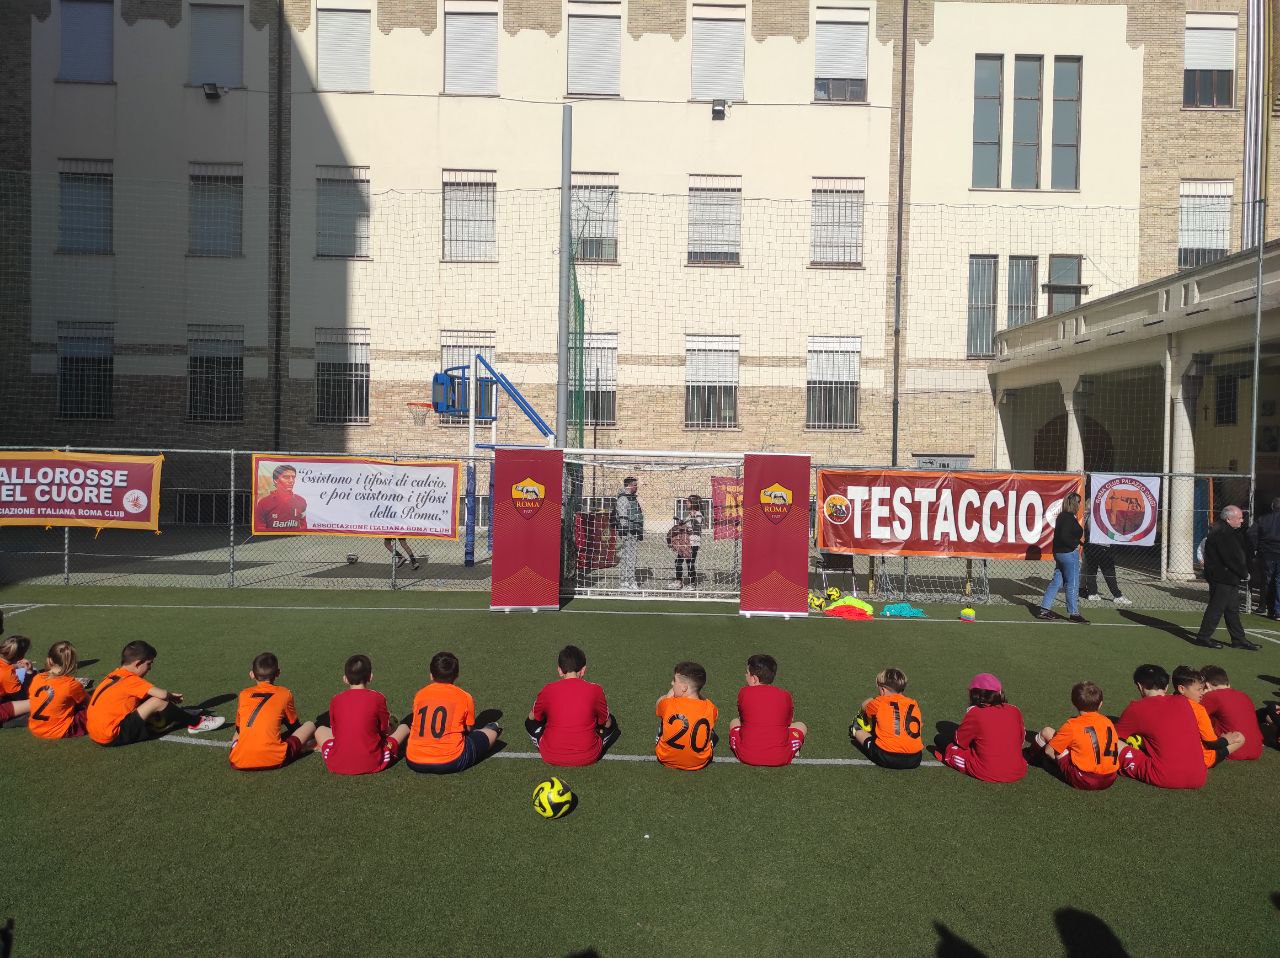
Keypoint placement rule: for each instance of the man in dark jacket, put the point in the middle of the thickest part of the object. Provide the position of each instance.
(1226, 568)
(1264, 536)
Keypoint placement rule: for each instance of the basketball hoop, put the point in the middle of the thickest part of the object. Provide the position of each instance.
(420, 411)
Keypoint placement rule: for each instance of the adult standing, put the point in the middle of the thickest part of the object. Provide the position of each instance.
(1098, 558)
(1264, 537)
(628, 517)
(1067, 533)
(1226, 567)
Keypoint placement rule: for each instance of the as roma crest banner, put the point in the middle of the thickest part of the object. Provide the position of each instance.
(1123, 510)
(775, 535)
(526, 528)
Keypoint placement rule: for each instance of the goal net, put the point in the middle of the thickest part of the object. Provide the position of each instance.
(674, 532)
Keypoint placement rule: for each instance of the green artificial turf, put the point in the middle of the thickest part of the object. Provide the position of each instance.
(163, 849)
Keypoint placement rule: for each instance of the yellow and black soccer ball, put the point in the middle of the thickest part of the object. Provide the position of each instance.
(816, 603)
(553, 799)
(832, 594)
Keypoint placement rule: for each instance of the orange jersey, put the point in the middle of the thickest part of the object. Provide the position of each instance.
(9, 684)
(442, 715)
(1092, 742)
(685, 727)
(54, 700)
(117, 695)
(1207, 734)
(263, 709)
(896, 723)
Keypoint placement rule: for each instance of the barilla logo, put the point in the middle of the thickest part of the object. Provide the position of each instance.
(527, 496)
(775, 502)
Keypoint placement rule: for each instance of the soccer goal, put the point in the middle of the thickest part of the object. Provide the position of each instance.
(673, 532)
(928, 579)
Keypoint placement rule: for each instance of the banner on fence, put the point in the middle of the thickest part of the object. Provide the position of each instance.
(726, 507)
(526, 528)
(354, 496)
(998, 515)
(1123, 510)
(775, 535)
(80, 489)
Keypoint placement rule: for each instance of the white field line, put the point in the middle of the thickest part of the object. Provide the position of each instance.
(182, 739)
(1262, 634)
(18, 609)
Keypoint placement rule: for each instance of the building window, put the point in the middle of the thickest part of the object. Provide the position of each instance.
(715, 220)
(982, 307)
(342, 211)
(711, 382)
(831, 389)
(836, 215)
(84, 206)
(215, 373)
(595, 55)
(1023, 294)
(1064, 287)
(599, 356)
(86, 367)
(840, 70)
(719, 53)
(1065, 174)
(217, 45)
(216, 209)
(1204, 221)
(469, 225)
(471, 53)
(1026, 122)
(458, 347)
(342, 376)
(342, 50)
(1226, 400)
(86, 41)
(1209, 60)
(595, 217)
(988, 117)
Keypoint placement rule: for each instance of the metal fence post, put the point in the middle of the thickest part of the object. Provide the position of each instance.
(231, 523)
(395, 544)
(66, 547)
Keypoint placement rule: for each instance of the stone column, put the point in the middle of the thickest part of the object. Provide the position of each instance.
(1075, 445)
(1185, 393)
(1004, 417)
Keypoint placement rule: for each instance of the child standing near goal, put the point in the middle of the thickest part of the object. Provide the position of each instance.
(764, 732)
(678, 542)
(988, 743)
(1086, 750)
(695, 519)
(686, 721)
(887, 729)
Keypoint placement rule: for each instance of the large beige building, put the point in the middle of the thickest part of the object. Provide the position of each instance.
(248, 225)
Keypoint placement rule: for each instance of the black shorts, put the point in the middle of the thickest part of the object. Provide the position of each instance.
(1220, 752)
(131, 731)
(895, 760)
(475, 746)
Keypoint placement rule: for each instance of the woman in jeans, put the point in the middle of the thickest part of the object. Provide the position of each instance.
(1067, 533)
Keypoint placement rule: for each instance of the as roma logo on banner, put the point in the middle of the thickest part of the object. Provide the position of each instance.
(527, 496)
(775, 502)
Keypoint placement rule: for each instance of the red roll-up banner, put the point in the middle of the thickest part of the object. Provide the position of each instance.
(978, 515)
(775, 535)
(527, 507)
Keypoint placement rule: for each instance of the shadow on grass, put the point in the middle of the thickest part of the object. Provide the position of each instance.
(6, 938)
(1083, 935)
(588, 953)
(213, 701)
(1172, 628)
(951, 945)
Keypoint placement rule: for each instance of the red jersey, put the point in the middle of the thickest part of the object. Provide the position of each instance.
(280, 512)
(1170, 737)
(765, 736)
(1231, 710)
(994, 736)
(360, 722)
(573, 709)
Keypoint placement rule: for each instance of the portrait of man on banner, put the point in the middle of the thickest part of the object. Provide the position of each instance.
(281, 509)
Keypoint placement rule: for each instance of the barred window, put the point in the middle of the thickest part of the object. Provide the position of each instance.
(85, 206)
(469, 225)
(836, 222)
(595, 217)
(86, 368)
(715, 220)
(599, 354)
(342, 211)
(982, 306)
(831, 400)
(1023, 295)
(711, 382)
(217, 209)
(342, 375)
(458, 347)
(1204, 221)
(215, 373)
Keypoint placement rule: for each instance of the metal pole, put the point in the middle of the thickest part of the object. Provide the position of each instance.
(1257, 358)
(66, 547)
(395, 545)
(897, 266)
(566, 292)
(231, 524)
(277, 230)
(473, 396)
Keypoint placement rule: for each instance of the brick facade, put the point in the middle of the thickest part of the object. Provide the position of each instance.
(544, 15)
(667, 17)
(407, 15)
(780, 18)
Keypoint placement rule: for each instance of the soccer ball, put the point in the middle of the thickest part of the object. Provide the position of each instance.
(815, 602)
(832, 594)
(1135, 741)
(553, 799)
(352, 558)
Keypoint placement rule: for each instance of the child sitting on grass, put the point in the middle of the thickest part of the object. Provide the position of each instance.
(1189, 683)
(1085, 751)
(355, 740)
(267, 731)
(1230, 710)
(764, 732)
(686, 721)
(887, 728)
(15, 680)
(1160, 733)
(58, 696)
(988, 743)
(127, 709)
(443, 737)
(570, 720)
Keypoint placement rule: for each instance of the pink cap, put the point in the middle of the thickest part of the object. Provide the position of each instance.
(987, 681)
